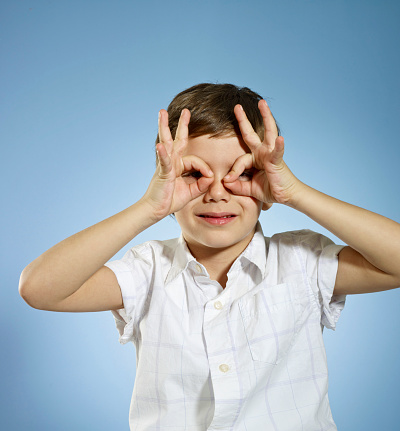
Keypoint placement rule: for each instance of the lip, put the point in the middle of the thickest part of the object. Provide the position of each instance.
(217, 219)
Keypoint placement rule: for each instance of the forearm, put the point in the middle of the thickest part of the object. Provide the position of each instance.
(375, 237)
(62, 270)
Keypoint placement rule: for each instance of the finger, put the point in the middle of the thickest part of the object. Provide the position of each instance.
(200, 186)
(249, 136)
(182, 131)
(194, 163)
(239, 188)
(164, 132)
(277, 154)
(270, 128)
(164, 160)
(241, 163)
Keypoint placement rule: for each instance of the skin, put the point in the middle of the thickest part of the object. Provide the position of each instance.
(196, 179)
(218, 225)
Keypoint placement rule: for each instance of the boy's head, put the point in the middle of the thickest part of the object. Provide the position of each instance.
(211, 108)
(218, 219)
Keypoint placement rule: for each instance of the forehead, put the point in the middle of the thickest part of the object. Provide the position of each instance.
(223, 149)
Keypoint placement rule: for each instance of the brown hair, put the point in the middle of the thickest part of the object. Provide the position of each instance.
(211, 107)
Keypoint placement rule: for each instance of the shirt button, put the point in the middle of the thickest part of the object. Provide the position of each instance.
(224, 368)
(218, 305)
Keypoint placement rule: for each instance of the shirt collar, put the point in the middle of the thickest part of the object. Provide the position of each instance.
(182, 258)
(255, 253)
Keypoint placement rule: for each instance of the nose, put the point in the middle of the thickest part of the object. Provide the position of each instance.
(217, 192)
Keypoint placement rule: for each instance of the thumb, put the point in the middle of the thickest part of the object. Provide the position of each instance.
(242, 188)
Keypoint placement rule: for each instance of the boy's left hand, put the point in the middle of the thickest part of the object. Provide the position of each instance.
(272, 182)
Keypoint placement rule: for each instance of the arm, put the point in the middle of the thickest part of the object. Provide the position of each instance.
(71, 275)
(371, 262)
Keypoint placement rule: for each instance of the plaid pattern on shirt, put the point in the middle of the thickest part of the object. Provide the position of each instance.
(248, 357)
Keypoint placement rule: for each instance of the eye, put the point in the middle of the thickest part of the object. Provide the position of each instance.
(193, 174)
(246, 175)
(191, 177)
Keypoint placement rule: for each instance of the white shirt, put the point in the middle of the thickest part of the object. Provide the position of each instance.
(249, 357)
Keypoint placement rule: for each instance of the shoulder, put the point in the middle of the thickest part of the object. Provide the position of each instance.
(142, 266)
(306, 245)
(303, 237)
(146, 257)
(152, 251)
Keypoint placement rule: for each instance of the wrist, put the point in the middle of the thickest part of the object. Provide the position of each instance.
(151, 212)
(298, 195)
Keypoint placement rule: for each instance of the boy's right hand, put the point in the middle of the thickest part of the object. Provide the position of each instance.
(168, 192)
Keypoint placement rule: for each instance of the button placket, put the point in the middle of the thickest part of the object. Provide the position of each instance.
(218, 305)
(224, 368)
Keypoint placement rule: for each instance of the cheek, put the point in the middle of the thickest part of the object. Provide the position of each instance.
(251, 204)
(182, 215)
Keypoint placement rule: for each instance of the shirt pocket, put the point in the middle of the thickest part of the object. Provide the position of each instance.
(271, 318)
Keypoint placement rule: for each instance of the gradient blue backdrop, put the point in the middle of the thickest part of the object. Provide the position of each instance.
(82, 85)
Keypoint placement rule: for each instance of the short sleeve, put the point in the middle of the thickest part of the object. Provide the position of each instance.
(331, 305)
(133, 273)
(321, 257)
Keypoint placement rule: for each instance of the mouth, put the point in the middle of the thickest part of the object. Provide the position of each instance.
(217, 219)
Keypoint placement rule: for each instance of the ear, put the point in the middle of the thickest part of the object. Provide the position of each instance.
(266, 206)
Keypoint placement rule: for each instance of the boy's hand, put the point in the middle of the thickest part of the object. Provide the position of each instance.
(272, 180)
(168, 191)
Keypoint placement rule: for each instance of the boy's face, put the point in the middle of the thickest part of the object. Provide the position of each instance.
(218, 219)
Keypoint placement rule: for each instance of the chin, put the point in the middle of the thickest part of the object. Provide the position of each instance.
(218, 240)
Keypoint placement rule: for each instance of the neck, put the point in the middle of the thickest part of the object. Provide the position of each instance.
(217, 261)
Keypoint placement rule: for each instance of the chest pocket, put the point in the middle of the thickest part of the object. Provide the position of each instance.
(272, 317)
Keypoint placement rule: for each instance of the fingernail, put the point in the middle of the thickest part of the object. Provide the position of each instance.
(241, 107)
(159, 114)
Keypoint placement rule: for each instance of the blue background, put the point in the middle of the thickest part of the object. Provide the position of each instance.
(82, 83)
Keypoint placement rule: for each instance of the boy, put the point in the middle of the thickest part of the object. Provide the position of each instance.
(227, 324)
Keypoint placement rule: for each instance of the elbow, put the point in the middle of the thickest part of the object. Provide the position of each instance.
(28, 290)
